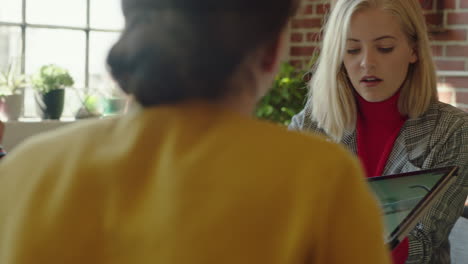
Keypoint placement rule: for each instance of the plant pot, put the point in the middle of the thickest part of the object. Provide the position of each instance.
(14, 106)
(50, 104)
(114, 106)
(90, 107)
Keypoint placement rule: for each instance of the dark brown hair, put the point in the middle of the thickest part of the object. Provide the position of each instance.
(173, 50)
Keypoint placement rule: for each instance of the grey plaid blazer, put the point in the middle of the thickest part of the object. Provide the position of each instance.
(437, 138)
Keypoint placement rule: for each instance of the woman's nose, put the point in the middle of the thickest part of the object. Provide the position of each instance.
(368, 60)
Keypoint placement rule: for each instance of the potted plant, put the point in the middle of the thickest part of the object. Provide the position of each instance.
(12, 92)
(50, 83)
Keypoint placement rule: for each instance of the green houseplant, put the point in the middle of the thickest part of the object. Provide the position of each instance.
(50, 83)
(12, 86)
(286, 98)
(11, 82)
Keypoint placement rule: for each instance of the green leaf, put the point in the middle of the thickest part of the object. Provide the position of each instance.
(51, 77)
(286, 97)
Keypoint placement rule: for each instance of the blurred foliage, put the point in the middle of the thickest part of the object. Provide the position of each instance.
(52, 77)
(90, 102)
(11, 82)
(286, 98)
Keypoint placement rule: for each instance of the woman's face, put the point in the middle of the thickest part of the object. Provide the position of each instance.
(377, 54)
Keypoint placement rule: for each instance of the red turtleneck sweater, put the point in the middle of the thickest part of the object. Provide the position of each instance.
(378, 126)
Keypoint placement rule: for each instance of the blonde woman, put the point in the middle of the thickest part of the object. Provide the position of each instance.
(190, 177)
(374, 90)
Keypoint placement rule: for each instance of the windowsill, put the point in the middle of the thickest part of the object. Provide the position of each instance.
(40, 120)
(17, 131)
(61, 120)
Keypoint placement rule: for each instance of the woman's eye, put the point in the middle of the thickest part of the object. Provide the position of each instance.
(353, 51)
(386, 50)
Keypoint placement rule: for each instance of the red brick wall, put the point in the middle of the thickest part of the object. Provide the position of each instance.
(305, 28)
(448, 24)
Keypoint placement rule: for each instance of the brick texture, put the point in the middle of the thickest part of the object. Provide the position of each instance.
(457, 50)
(322, 9)
(461, 97)
(450, 65)
(306, 10)
(437, 50)
(457, 18)
(306, 23)
(457, 82)
(450, 4)
(450, 35)
(463, 4)
(297, 37)
(302, 51)
(434, 18)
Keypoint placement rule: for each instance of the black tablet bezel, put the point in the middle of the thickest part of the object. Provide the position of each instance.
(448, 172)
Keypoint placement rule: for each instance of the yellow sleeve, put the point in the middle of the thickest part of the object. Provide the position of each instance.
(355, 230)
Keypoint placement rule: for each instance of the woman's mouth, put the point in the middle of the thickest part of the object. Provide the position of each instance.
(370, 81)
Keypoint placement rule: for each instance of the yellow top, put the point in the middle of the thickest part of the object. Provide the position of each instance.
(185, 184)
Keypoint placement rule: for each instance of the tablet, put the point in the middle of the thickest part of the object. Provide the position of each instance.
(405, 197)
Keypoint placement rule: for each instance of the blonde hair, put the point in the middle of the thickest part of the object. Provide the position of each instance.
(331, 100)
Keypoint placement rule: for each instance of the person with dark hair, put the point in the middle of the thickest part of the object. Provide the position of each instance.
(189, 177)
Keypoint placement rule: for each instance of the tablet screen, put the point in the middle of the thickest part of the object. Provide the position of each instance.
(399, 194)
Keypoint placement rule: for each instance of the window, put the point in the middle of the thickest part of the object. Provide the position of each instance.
(74, 34)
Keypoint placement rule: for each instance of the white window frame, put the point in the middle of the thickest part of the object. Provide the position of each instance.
(87, 29)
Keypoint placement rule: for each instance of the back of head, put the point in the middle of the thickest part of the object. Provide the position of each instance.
(173, 50)
(332, 96)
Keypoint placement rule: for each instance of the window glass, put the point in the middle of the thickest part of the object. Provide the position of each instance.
(10, 46)
(106, 14)
(99, 77)
(46, 44)
(56, 12)
(10, 11)
(66, 48)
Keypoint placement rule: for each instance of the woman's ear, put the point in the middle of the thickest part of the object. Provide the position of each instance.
(414, 55)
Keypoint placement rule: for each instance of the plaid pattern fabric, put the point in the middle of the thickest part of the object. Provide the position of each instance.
(438, 138)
